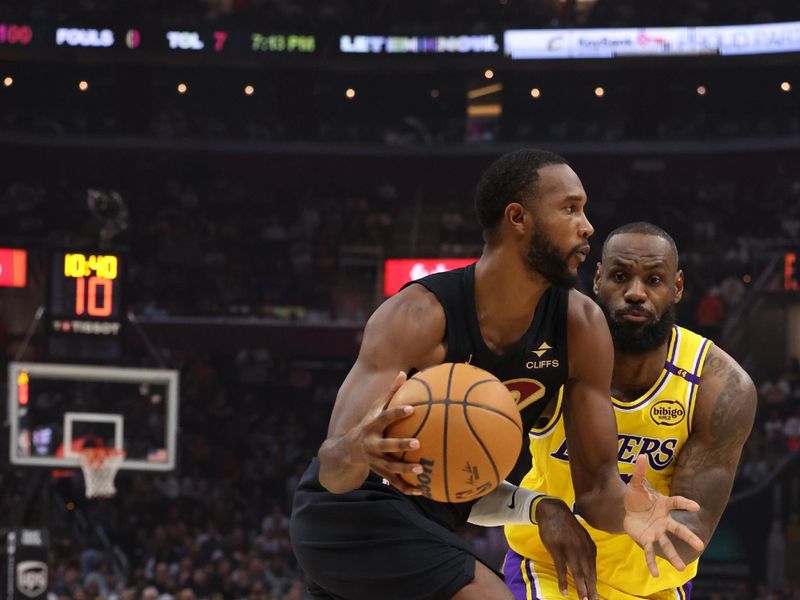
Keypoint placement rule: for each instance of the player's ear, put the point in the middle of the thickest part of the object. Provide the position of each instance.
(596, 283)
(515, 216)
(679, 286)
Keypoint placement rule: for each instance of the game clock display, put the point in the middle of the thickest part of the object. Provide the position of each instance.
(85, 293)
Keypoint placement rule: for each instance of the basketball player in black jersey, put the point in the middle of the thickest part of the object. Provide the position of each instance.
(358, 530)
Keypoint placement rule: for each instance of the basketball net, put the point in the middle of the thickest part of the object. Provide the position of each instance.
(100, 466)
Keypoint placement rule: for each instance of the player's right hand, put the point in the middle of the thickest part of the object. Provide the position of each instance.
(368, 445)
(570, 547)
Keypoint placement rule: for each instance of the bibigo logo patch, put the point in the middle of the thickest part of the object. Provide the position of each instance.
(667, 412)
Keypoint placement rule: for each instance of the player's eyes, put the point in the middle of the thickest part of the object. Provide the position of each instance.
(618, 277)
(655, 280)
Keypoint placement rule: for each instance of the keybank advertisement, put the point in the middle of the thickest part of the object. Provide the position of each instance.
(729, 40)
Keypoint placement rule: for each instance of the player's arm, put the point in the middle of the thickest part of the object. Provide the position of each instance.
(589, 421)
(723, 417)
(404, 333)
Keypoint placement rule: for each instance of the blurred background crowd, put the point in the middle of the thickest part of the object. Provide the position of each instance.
(253, 224)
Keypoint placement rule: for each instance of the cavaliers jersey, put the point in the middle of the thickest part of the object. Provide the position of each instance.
(656, 424)
(533, 368)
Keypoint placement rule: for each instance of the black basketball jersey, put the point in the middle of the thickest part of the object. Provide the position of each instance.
(533, 368)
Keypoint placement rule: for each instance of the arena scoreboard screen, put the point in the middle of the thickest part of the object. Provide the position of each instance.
(85, 301)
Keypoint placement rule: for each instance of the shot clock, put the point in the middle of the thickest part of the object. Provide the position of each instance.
(85, 312)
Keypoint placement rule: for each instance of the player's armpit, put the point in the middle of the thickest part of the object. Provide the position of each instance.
(706, 466)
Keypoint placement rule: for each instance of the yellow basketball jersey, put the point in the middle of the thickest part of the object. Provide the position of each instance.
(657, 424)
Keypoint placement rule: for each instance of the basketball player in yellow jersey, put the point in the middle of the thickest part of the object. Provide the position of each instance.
(679, 400)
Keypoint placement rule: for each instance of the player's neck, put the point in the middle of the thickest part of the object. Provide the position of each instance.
(634, 374)
(506, 296)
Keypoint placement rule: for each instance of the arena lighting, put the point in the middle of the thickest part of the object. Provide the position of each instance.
(249, 90)
(350, 93)
(486, 90)
(83, 85)
(13, 267)
(536, 93)
(485, 110)
(488, 73)
(786, 86)
(8, 81)
(182, 88)
(399, 271)
(701, 90)
(599, 92)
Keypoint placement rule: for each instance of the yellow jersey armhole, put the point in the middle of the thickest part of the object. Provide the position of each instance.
(702, 361)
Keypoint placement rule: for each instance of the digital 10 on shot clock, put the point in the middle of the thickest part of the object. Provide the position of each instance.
(86, 293)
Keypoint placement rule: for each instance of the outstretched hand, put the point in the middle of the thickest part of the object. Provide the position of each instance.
(369, 446)
(648, 519)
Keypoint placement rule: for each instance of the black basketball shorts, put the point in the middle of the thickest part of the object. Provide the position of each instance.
(373, 544)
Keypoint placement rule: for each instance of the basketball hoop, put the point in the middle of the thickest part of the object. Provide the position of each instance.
(100, 466)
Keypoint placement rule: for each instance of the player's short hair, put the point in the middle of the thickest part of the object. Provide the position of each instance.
(647, 229)
(511, 178)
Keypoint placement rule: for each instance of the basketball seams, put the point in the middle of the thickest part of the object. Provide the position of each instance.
(444, 433)
(480, 441)
(429, 404)
(489, 408)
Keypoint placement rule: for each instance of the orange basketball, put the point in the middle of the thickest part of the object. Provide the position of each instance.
(468, 427)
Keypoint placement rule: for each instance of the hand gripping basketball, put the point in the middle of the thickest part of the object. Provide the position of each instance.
(648, 519)
(368, 444)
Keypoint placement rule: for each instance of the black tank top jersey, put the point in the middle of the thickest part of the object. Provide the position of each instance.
(533, 368)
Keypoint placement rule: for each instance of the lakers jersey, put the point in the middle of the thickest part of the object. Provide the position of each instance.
(656, 424)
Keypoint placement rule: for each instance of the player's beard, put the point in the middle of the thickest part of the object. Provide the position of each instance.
(638, 338)
(544, 257)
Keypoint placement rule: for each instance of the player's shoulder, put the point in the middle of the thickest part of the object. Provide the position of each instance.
(583, 312)
(413, 312)
(589, 340)
(721, 371)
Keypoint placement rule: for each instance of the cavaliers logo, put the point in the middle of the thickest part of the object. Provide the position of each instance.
(667, 412)
(525, 391)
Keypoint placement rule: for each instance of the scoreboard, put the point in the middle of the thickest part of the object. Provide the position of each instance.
(85, 307)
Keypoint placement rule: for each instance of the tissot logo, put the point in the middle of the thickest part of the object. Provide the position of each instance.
(31, 577)
(667, 412)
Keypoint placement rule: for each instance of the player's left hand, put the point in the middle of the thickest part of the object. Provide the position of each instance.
(648, 520)
(570, 547)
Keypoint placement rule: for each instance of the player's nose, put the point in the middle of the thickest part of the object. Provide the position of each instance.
(586, 230)
(635, 292)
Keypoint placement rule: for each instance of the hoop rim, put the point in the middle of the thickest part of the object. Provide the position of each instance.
(96, 456)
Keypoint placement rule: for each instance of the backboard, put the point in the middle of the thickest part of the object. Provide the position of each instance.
(56, 409)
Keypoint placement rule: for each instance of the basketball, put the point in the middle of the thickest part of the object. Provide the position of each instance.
(468, 427)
